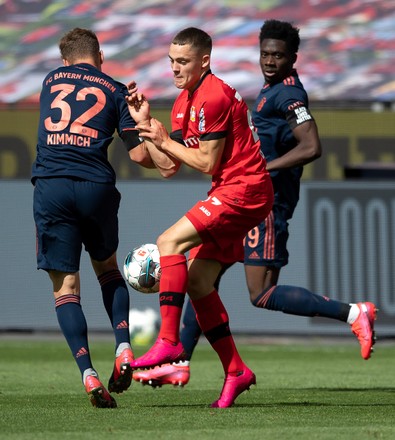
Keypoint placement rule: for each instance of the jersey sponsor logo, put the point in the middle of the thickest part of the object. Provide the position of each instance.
(192, 114)
(179, 115)
(192, 141)
(261, 103)
(68, 139)
(202, 120)
(205, 210)
(302, 115)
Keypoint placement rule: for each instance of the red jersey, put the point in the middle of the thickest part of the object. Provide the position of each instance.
(214, 111)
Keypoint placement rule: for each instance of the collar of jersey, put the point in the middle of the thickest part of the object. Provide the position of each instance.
(200, 82)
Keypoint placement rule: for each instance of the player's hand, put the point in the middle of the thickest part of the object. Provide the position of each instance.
(132, 87)
(156, 132)
(138, 104)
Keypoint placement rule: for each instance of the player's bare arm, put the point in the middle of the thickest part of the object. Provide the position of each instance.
(205, 159)
(146, 154)
(307, 150)
(140, 155)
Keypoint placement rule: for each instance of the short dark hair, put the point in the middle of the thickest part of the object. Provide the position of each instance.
(195, 37)
(79, 43)
(281, 30)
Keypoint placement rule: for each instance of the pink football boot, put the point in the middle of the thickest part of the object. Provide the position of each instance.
(162, 352)
(233, 387)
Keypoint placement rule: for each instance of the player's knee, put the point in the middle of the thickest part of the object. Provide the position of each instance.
(101, 267)
(253, 296)
(160, 241)
(64, 283)
(198, 287)
(172, 244)
(252, 288)
(167, 244)
(194, 288)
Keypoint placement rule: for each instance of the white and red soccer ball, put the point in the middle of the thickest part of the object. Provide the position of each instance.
(142, 269)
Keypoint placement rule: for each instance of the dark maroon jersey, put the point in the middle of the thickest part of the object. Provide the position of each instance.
(80, 110)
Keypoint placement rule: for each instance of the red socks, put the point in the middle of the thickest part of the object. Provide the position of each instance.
(214, 322)
(173, 286)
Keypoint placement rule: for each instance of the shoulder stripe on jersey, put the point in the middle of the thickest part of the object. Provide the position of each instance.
(290, 81)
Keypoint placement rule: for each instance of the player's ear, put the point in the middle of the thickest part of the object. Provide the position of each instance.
(205, 60)
(65, 62)
(101, 57)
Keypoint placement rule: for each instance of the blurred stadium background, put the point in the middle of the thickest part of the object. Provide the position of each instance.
(347, 53)
(342, 237)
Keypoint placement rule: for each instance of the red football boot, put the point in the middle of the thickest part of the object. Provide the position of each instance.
(98, 395)
(363, 328)
(121, 377)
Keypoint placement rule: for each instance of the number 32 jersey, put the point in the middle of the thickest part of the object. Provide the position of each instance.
(80, 109)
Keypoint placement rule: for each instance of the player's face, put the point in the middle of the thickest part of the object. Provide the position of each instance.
(187, 65)
(275, 60)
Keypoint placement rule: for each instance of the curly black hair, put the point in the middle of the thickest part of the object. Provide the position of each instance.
(281, 30)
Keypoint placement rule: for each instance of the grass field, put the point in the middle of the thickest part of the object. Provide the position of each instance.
(304, 391)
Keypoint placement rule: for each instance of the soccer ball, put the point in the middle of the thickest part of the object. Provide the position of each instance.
(142, 269)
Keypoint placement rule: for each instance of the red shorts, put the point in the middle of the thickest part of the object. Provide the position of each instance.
(225, 217)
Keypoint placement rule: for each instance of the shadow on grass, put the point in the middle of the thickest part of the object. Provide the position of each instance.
(340, 389)
(303, 402)
(271, 405)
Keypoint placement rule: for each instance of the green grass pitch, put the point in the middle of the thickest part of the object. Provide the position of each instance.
(312, 390)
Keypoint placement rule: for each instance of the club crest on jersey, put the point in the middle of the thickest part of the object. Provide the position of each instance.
(261, 103)
(192, 115)
(202, 121)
